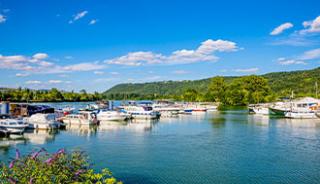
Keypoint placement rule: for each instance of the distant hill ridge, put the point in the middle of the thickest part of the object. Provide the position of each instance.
(302, 82)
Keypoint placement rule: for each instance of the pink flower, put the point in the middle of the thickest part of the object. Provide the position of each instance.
(12, 181)
(49, 161)
(11, 164)
(79, 172)
(36, 154)
(17, 154)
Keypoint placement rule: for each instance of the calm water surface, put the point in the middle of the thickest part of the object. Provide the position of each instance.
(214, 147)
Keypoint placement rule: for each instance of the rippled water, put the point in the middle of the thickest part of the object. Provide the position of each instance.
(216, 147)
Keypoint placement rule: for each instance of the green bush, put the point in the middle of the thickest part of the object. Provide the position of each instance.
(61, 167)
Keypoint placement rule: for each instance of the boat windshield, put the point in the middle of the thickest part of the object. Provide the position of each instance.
(4, 116)
(147, 108)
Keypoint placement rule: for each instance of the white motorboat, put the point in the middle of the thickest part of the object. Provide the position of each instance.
(166, 110)
(303, 108)
(209, 106)
(301, 114)
(43, 121)
(12, 126)
(194, 107)
(261, 110)
(82, 118)
(141, 112)
(280, 108)
(106, 115)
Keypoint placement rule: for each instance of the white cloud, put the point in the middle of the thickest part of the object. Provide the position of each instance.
(98, 72)
(3, 19)
(22, 74)
(36, 64)
(68, 57)
(295, 40)
(103, 80)
(205, 52)
(45, 63)
(278, 30)
(136, 59)
(63, 75)
(54, 81)
(284, 61)
(78, 16)
(15, 62)
(33, 82)
(93, 21)
(311, 54)
(155, 77)
(247, 70)
(306, 56)
(312, 26)
(40, 56)
(114, 73)
(180, 72)
(83, 67)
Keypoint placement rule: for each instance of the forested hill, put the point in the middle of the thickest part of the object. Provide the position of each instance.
(302, 82)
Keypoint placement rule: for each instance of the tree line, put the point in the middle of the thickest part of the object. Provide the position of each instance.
(239, 91)
(227, 91)
(53, 95)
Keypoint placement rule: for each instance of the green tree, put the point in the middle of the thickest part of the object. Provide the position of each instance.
(190, 95)
(217, 89)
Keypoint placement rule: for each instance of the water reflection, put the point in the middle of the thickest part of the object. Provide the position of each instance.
(112, 125)
(298, 123)
(218, 120)
(12, 140)
(257, 119)
(40, 136)
(141, 125)
(82, 130)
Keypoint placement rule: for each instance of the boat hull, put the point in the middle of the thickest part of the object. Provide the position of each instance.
(112, 118)
(44, 125)
(77, 121)
(277, 112)
(301, 115)
(262, 111)
(16, 130)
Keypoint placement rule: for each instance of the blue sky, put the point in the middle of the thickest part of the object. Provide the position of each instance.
(94, 45)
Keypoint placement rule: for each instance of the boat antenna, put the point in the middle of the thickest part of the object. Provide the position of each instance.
(316, 86)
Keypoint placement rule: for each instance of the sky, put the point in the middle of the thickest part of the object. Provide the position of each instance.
(96, 44)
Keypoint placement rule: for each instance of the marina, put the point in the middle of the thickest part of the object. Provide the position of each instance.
(301, 108)
(147, 151)
(159, 92)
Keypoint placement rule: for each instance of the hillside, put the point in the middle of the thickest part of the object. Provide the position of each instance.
(282, 83)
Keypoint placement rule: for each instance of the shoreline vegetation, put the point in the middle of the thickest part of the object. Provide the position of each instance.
(59, 167)
(234, 91)
(52, 95)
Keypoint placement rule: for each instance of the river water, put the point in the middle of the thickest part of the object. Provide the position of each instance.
(215, 147)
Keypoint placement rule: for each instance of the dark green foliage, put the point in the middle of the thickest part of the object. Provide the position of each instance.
(53, 95)
(280, 84)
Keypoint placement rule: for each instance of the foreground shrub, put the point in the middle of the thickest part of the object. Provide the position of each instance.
(61, 167)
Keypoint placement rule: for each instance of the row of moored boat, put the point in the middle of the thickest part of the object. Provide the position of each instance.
(302, 108)
(19, 117)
